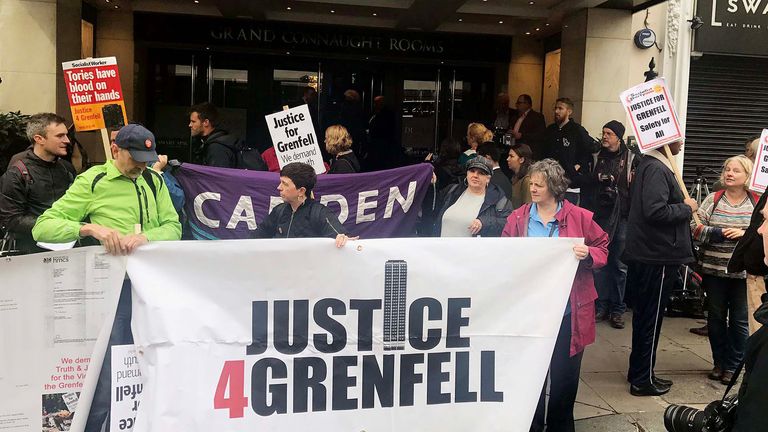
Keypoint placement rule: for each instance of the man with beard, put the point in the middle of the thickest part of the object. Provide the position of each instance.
(216, 146)
(568, 143)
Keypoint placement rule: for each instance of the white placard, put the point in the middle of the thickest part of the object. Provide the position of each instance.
(293, 137)
(652, 114)
(759, 179)
(412, 337)
(53, 307)
(126, 388)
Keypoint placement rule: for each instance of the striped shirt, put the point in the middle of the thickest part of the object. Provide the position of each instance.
(716, 250)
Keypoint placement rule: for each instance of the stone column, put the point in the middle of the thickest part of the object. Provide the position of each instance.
(68, 44)
(594, 66)
(526, 70)
(114, 37)
(28, 55)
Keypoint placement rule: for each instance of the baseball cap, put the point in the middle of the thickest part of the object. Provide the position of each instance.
(480, 163)
(139, 141)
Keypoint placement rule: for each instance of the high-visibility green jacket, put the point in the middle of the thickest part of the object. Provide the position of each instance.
(103, 196)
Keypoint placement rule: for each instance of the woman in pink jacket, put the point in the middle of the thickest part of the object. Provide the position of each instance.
(550, 215)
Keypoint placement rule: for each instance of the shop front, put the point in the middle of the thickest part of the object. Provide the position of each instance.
(433, 84)
(728, 83)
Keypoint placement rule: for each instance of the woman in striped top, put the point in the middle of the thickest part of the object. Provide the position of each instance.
(724, 217)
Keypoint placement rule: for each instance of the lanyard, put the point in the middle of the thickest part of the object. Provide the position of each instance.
(552, 230)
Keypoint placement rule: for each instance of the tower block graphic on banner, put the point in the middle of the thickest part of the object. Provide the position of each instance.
(395, 281)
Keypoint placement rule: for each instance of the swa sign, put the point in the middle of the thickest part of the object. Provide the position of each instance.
(733, 27)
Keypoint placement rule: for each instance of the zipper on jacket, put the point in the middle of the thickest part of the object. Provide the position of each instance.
(287, 233)
(138, 197)
(146, 203)
(331, 225)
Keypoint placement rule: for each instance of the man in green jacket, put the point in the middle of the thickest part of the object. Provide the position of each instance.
(121, 203)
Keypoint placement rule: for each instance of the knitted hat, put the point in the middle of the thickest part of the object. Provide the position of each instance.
(616, 127)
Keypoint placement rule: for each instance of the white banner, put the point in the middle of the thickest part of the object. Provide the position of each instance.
(52, 309)
(293, 137)
(382, 335)
(652, 114)
(758, 181)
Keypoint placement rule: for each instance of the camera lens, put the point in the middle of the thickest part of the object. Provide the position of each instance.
(679, 418)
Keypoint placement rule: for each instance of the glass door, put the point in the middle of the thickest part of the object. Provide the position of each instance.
(419, 114)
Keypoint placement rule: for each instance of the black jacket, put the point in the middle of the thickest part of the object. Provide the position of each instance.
(25, 197)
(753, 396)
(532, 129)
(658, 229)
(749, 253)
(221, 149)
(606, 187)
(311, 219)
(345, 164)
(502, 181)
(570, 145)
(493, 213)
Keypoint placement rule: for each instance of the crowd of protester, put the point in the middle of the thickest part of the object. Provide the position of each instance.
(516, 177)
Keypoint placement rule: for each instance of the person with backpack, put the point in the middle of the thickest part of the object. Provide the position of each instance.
(34, 181)
(606, 194)
(299, 215)
(725, 216)
(122, 205)
(217, 147)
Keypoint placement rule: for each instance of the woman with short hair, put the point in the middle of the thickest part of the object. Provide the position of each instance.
(725, 215)
(338, 143)
(519, 161)
(551, 215)
(299, 215)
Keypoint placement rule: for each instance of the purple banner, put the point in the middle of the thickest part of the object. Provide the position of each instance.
(226, 203)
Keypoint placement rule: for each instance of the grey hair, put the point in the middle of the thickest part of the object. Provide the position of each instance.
(554, 175)
(37, 124)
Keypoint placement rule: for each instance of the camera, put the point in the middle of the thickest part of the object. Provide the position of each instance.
(718, 416)
(608, 190)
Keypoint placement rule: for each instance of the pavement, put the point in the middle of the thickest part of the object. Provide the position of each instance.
(604, 403)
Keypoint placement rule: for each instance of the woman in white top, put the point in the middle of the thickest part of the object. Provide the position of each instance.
(474, 206)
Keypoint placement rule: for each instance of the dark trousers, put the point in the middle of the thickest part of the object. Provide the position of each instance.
(98, 417)
(611, 280)
(563, 377)
(651, 286)
(727, 319)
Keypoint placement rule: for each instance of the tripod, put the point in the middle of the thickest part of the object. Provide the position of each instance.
(700, 187)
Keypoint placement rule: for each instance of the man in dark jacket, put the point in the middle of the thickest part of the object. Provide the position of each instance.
(527, 126)
(606, 193)
(300, 216)
(36, 180)
(658, 242)
(568, 143)
(216, 146)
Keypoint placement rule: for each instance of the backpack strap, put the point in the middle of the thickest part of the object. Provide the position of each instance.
(718, 196)
(148, 174)
(97, 179)
(753, 197)
(22, 167)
